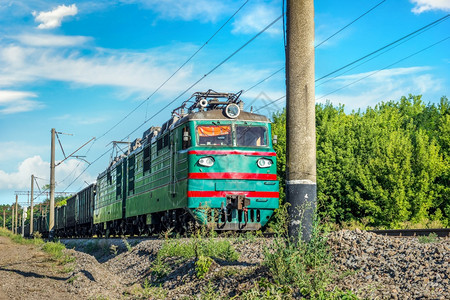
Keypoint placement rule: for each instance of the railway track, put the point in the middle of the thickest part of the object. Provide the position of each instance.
(440, 232)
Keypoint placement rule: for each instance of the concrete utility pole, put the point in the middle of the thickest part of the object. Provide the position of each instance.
(24, 216)
(20, 221)
(52, 186)
(17, 212)
(12, 218)
(301, 188)
(31, 204)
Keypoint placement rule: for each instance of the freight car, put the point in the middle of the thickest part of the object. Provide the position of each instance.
(212, 164)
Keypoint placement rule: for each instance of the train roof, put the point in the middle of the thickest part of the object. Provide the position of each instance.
(218, 114)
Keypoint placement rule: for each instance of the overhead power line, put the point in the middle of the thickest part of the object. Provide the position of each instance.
(377, 71)
(174, 73)
(362, 78)
(384, 47)
(379, 54)
(179, 96)
(350, 23)
(331, 36)
(205, 75)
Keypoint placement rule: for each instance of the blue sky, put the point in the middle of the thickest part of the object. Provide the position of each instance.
(81, 66)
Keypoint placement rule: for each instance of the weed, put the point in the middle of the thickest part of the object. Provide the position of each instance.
(113, 249)
(127, 245)
(54, 249)
(304, 266)
(431, 238)
(71, 279)
(68, 269)
(266, 290)
(159, 268)
(210, 293)
(151, 292)
(221, 249)
(202, 266)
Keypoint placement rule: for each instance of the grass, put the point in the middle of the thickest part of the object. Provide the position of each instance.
(18, 239)
(55, 249)
(203, 249)
(426, 239)
(298, 268)
(221, 249)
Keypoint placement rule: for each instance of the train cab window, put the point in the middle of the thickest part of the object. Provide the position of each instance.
(251, 136)
(214, 134)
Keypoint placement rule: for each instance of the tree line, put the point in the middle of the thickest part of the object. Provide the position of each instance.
(386, 167)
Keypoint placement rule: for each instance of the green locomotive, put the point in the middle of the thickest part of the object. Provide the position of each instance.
(212, 164)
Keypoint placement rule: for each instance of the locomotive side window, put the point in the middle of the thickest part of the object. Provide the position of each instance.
(214, 134)
(186, 138)
(251, 136)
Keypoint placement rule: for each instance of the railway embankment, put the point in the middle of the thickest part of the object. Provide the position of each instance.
(361, 265)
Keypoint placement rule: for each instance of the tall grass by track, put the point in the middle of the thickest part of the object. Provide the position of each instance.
(55, 249)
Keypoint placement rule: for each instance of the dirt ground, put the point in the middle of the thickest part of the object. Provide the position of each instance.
(28, 273)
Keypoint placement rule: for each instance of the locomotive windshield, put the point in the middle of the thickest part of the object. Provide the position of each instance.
(248, 136)
(214, 135)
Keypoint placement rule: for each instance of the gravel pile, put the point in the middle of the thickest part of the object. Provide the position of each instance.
(372, 266)
(92, 280)
(386, 267)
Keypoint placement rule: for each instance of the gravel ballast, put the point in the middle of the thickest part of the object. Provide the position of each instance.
(371, 266)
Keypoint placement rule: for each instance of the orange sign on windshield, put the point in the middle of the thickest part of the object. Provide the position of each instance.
(213, 130)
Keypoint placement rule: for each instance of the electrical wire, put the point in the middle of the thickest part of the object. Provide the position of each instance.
(173, 74)
(373, 73)
(205, 75)
(331, 36)
(384, 47)
(366, 61)
(185, 91)
(270, 103)
(350, 23)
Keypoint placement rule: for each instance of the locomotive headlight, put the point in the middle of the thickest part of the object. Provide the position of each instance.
(232, 110)
(207, 161)
(264, 163)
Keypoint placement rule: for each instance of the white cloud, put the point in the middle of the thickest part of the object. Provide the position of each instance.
(187, 10)
(141, 72)
(421, 6)
(17, 101)
(256, 19)
(384, 85)
(52, 19)
(49, 40)
(68, 170)
(19, 151)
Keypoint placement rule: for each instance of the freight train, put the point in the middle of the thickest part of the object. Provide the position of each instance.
(212, 164)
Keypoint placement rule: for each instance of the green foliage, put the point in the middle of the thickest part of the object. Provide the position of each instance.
(151, 292)
(198, 247)
(54, 249)
(202, 266)
(221, 249)
(431, 238)
(125, 242)
(388, 165)
(304, 266)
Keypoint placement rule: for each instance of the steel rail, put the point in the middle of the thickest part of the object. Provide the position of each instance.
(440, 232)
